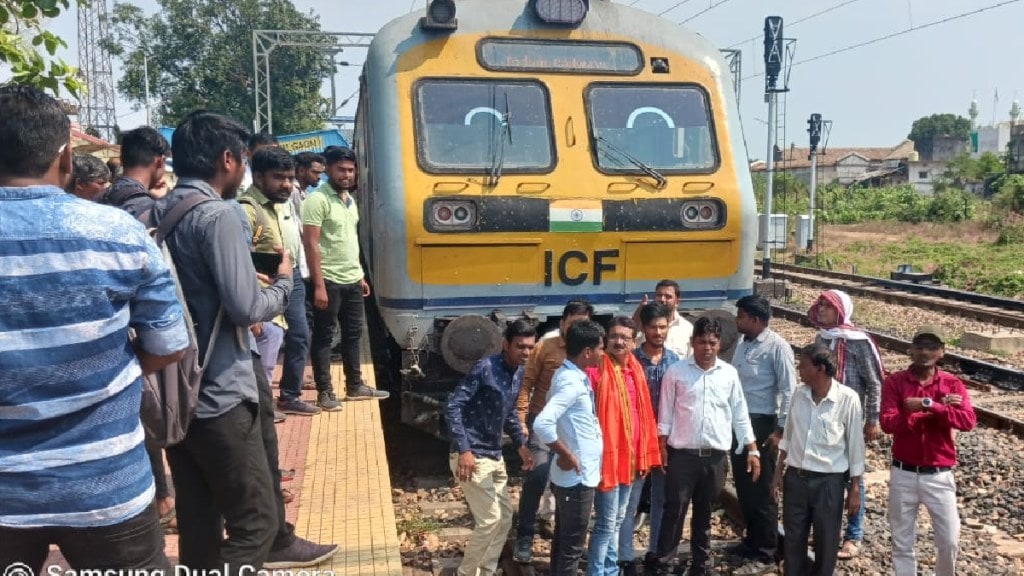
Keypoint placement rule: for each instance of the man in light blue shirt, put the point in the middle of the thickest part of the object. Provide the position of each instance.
(764, 363)
(568, 425)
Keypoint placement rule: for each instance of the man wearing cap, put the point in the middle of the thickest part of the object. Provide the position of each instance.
(921, 406)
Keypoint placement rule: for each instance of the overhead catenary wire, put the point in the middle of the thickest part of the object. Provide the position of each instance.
(895, 34)
(672, 7)
(804, 19)
(704, 11)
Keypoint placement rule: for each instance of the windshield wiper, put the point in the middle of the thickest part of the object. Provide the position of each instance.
(661, 183)
(498, 159)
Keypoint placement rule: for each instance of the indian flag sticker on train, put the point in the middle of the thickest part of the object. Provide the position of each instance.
(575, 216)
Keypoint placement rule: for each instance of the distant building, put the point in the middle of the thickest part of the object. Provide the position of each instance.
(846, 166)
(991, 139)
(927, 166)
(1016, 150)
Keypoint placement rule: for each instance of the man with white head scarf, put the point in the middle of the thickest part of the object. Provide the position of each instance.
(859, 366)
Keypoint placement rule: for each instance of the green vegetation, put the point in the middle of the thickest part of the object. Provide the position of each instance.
(986, 267)
(416, 526)
(1010, 193)
(199, 56)
(29, 49)
(840, 205)
(978, 244)
(925, 130)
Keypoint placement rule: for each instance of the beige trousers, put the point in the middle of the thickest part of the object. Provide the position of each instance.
(907, 492)
(487, 496)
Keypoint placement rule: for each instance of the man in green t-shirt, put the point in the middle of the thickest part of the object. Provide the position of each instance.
(337, 285)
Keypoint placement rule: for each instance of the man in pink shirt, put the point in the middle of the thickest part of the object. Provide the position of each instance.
(921, 407)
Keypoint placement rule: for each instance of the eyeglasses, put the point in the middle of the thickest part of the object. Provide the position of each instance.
(619, 337)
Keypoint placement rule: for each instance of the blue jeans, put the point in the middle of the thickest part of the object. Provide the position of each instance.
(855, 523)
(296, 340)
(610, 509)
(533, 484)
(626, 552)
(269, 344)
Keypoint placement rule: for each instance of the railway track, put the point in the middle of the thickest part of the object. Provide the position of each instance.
(980, 371)
(999, 401)
(1006, 312)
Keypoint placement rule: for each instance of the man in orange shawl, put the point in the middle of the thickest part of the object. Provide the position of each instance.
(630, 436)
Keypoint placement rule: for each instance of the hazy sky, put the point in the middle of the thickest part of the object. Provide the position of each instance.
(872, 93)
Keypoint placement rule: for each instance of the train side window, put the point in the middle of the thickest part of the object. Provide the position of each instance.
(667, 127)
(473, 126)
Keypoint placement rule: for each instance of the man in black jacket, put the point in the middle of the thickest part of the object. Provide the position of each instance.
(144, 163)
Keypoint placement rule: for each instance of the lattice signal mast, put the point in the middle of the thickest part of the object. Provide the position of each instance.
(97, 109)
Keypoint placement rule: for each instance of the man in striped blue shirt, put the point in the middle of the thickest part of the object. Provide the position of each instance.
(75, 277)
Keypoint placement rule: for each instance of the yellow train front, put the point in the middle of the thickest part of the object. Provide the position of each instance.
(515, 155)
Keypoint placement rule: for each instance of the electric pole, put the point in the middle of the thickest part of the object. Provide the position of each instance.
(774, 54)
(814, 129)
(145, 72)
(97, 104)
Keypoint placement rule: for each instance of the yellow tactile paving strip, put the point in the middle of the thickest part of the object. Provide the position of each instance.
(346, 492)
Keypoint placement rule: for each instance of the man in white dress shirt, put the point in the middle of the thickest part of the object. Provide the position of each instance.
(680, 330)
(822, 444)
(701, 407)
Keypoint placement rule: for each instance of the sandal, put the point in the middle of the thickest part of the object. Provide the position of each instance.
(287, 495)
(288, 475)
(849, 550)
(169, 522)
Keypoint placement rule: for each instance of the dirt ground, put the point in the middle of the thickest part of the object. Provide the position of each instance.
(839, 235)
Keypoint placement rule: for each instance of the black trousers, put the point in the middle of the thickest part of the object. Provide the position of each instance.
(344, 304)
(285, 531)
(135, 543)
(222, 484)
(812, 500)
(759, 511)
(691, 478)
(572, 514)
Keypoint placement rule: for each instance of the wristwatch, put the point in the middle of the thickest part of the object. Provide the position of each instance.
(754, 453)
(927, 403)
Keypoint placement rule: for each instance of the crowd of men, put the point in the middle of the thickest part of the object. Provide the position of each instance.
(596, 412)
(92, 307)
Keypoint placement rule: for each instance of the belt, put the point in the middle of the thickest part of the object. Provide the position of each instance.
(812, 474)
(699, 452)
(920, 469)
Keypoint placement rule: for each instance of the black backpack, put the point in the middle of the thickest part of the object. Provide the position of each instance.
(170, 396)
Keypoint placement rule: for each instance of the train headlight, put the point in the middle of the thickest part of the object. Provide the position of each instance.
(440, 16)
(562, 12)
(451, 215)
(701, 214)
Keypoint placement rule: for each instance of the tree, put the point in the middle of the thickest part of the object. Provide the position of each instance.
(965, 170)
(200, 57)
(1011, 193)
(29, 50)
(948, 125)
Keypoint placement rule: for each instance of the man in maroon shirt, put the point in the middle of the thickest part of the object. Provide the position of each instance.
(921, 408)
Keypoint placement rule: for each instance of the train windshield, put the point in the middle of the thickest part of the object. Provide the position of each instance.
(666, 128)
(483, 126)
